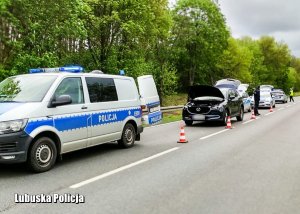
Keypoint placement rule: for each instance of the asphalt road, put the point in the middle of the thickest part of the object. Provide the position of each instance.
(253, 168)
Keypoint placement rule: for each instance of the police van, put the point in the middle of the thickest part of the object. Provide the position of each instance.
(53, 111)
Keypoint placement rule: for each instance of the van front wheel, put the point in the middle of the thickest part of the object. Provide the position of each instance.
(128, 136)
(42, 155)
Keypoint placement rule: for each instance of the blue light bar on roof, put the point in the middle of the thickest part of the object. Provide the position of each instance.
(71, 69)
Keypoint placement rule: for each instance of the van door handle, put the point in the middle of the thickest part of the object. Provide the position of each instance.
(83, 107)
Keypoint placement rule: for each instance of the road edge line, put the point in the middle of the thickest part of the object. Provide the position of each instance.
(104, 175)
(216, 133)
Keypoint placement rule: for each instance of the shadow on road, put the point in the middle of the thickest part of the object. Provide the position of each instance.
(210, 124)
(81, 156)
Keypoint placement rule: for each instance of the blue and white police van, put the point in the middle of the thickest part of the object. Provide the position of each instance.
(53, 111)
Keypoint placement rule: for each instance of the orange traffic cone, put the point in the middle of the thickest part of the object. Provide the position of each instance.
(271, 109)
(182, 136)
(253, 115)
(228, 125)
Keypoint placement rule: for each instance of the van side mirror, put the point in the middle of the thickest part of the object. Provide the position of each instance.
(60, 101)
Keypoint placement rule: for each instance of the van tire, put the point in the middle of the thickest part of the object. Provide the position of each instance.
(42, 155)
(128, 136)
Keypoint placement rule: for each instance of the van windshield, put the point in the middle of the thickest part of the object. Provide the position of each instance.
(26, 88)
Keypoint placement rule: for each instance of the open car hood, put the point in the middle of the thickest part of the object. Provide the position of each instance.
(204, 91)
(243, 88)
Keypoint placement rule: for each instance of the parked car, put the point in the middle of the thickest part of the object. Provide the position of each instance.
(279, 96)
(266, 100)
(208, 103)
(246, 99)
(228, 83)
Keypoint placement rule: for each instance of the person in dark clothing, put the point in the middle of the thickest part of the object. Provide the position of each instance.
(256, 100)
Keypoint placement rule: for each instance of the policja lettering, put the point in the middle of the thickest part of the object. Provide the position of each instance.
(68, 198)
(107, 118)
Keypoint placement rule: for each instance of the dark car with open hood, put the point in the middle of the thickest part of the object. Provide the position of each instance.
(208, 103)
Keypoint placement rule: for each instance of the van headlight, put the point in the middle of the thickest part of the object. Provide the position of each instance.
(12, 126)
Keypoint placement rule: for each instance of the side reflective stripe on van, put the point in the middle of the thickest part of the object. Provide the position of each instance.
(114, 116)
(32, 125)
(69, 123)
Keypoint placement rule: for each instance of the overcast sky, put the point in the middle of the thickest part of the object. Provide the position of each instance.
(278, 18)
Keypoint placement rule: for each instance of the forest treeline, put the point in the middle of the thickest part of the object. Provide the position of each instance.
(180, 46)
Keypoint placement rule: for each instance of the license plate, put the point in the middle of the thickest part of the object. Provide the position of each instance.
(198, 117)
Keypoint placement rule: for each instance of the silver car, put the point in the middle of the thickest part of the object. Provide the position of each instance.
(266, 100)
(279, 96)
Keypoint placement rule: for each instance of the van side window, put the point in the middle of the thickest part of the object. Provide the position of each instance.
(73, 87)
(101, 89)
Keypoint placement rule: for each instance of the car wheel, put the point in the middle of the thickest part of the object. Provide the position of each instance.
(42, 155)
(128, 136)
(188, 122)
(241, 115)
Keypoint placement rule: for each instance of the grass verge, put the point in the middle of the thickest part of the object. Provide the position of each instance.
(172, 116)
(174, 100)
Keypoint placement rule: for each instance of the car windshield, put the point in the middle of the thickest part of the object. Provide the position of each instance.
(25, 88)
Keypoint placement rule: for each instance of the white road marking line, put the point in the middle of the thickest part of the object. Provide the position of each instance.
(202, 138)
(269, 113)
(280, 109)
(83, 183)
(249, 121)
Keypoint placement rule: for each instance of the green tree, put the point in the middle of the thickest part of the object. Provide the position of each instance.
(39, 28)
(200, 36)
(257, 67)
(277, 60)
(292, 78)
(235, 62)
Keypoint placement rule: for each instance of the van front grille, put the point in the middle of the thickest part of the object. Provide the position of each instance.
(8, 147)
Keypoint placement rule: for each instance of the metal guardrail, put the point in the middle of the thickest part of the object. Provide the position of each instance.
(171, 108)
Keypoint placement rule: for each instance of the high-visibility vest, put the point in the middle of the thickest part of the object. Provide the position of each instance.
(291, 93)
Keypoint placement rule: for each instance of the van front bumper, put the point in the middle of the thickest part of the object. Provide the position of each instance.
(14, 147)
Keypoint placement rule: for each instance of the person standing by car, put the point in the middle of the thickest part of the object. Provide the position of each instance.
(256, 100)
(291, 95)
